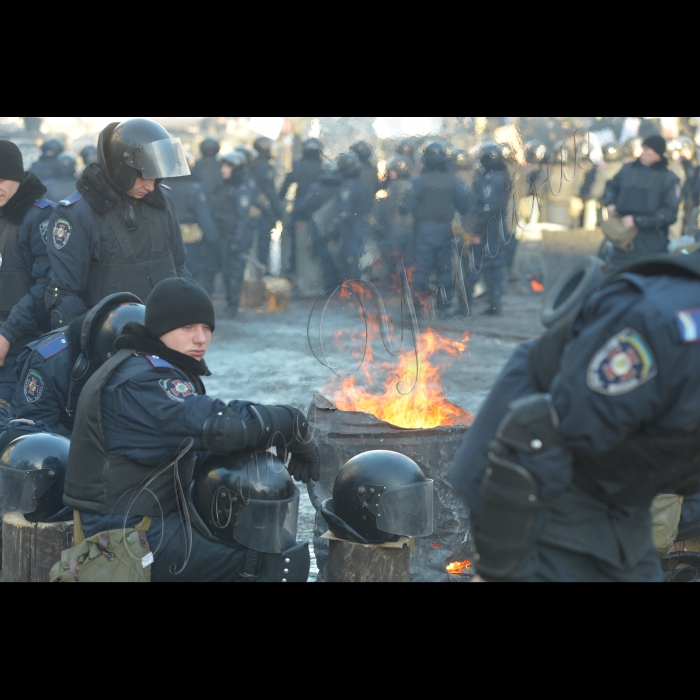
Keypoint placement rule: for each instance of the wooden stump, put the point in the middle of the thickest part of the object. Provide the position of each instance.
(30, 551)
(356, 563)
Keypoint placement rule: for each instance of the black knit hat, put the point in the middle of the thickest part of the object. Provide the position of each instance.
(176, 303)
(656, 143)
(11, 162)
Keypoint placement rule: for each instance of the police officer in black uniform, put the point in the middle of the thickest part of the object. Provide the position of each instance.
(493, 189)
(596, 419)
(54, 370)
(202, 241)
(208, 170)
(46, 168)
(62, 184)
(231, 207)
(305, 173)
(370, 174)
(645, 194)
(433, 200)
(24, 265)
(143, 407)
(119, 232)
(264, 173)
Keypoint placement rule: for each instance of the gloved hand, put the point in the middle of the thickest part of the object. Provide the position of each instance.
(305, 465)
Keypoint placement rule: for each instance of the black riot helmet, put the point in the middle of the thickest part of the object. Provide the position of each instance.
(89, 155)
(140, 147)
(536, 153)
(53, 147)
(65, 167)
(400, 166)
(237, 160)
(363, 150)
(492, 158)
(249, 152)
(379, 496)
(612, 153)
(633, 148)
(209, 147)
(264, 145)
(313, 149)
(406, 149)
(435, 156)
(248, 499)
(32, 476)
(461, 160)
(349, 166)
(102, 326)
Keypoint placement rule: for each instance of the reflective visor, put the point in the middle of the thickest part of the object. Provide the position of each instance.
(161, 159)
(407, 511)
(268, 526)
(20, 491)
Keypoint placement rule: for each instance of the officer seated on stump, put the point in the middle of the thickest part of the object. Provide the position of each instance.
(137, 417)
(53, 370)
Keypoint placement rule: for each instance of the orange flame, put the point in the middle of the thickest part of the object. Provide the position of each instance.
(459, 568)
(426, 406)
(537, 287)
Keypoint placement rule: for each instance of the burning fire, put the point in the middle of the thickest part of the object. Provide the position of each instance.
(459, 568)
(426, 406)
(537, 286)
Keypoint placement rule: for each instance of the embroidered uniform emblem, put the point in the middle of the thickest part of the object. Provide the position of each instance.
(44, 229)
(33, 387)
(177, 390)
(688, 323)
(624, 364)
(61, 233)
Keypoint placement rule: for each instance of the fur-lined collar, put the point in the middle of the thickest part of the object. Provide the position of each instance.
(139, 338)
(29, 191)
(101, 196)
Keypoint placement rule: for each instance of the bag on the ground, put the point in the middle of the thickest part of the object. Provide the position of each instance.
(117, 556)
(621, 237)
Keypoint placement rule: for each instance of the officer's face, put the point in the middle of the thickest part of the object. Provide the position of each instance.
(142, 188)
(8, 189)
(226, 171)
(649, 157)
(190, 340)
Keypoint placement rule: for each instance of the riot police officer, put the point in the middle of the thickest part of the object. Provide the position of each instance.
(305, 173)
(202, 241)
(89, 155)
(24, 266)
(369, 174)
(208, 170)
(433, 200)
(263, 171)
(596, 419)
(54, 370)
(231, 208)
(645, 195)
(62, 184)
(119, 232)
(46, 167)
(147, 404)
(492, 193)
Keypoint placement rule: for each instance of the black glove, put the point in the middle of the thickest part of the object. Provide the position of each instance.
(305, 465)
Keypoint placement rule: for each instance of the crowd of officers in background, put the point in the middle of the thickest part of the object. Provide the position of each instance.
(427, 204)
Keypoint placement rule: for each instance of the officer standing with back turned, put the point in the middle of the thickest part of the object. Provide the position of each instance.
(24, 266)
(119, 232)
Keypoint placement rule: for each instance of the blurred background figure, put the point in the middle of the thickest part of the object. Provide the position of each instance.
(88, 155)
(46, 168)
(33, 124)
(62, 184)
(368, 167)
(207, 170)
(264, 173)
(305, 173)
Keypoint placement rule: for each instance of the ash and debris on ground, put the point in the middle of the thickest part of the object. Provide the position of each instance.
(266, 358)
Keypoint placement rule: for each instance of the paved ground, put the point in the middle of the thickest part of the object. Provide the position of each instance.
(267, 358)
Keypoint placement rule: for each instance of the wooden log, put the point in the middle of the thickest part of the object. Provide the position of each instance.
(30, 551)
(356, 563)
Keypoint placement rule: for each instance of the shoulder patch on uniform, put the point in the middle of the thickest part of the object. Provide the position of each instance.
(43, 230)
(54, 347)
(33, 386)
(158, 363)
(688, 323)
(622, 365)
(70, 201)
(177, 390)
(43, 203)
(62, 231)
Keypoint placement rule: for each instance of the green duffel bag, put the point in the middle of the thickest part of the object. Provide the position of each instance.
(118, 556)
